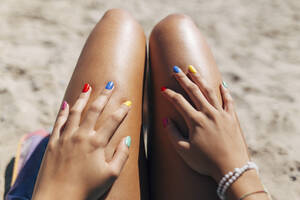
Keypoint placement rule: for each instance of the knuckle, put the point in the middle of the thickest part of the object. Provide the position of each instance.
(114, 173)
(77, 138)
(192, 87)
(116, 117)
(75, 111)
(230, 99)
(51, 145)
(176, 97)
(97, 142)
(209, 90)
(95, 108)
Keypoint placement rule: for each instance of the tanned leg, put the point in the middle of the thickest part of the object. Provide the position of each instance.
(176, 41)
(115, 51)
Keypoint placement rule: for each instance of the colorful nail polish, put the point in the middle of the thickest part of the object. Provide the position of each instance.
(176, 69)
(64, 105)
(109, 85)
(224, 84)
(165, 122)
(128, 141)
(163, 88)
(86, 87)
(127, 103)
(192, 69)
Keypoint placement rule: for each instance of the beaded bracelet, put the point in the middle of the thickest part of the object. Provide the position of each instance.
(257, 192)
(231, 177)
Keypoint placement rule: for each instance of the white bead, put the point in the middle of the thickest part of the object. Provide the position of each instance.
(226, 176)
(227, 184)
(230, 181)
(230, 173)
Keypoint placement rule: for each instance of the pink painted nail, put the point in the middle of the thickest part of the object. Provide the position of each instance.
(64, 105)
(165, 122)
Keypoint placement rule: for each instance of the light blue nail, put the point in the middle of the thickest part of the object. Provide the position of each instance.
(128, 141)
(176, 69)
(224, 84)
(109, 85)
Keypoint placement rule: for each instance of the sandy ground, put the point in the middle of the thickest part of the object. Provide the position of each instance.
(256, 44)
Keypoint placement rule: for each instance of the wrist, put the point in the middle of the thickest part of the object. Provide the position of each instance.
(51, 190)
(247, 182)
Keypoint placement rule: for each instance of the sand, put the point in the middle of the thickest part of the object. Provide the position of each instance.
(256, 44)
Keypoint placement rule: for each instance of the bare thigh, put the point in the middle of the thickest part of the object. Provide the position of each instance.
(115, 51)
(176, 41)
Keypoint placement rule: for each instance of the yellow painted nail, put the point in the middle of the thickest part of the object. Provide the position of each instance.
(192, 69)
(127, 103)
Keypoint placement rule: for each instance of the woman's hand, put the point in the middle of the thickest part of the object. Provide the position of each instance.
(215, 144)
(74, 164)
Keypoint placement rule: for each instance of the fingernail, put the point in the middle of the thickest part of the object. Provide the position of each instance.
(64, 105)
(109, 85)
(127, 103)
(176, 69)
(86, 87)
(224, 84)
(163, 88)
(128, 141)
(192, 69)
(165, 122)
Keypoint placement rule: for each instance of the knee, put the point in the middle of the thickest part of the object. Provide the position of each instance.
(121, 16)
(117, 13)
(172, 23)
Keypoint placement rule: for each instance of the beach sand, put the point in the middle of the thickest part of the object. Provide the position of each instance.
(256, 44)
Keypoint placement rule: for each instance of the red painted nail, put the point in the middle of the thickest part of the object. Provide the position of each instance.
(165, 122)
(86, 87)
(64, 105)
(163, 88)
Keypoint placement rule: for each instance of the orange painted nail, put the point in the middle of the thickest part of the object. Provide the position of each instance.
(86, 87)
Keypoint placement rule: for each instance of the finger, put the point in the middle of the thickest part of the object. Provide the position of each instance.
(105, 132)
(97, 107)
(77, 108)
(61, 120)
(181, 144)
(204, 87)
(181, 104)
(121, 156)
(228, 104)
(192, 89)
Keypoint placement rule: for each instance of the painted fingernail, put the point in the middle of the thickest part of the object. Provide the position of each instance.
(165, 122)
(86, 87)
(163, 88)
(127, 103)
(109, 85)
(176, 69)
(64, 105)
(192, 69)
(224, 84)
(128, 141)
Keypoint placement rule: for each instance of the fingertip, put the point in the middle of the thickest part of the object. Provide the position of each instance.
(192, 70)
(127, 141)
(224, 84)
(165, 122)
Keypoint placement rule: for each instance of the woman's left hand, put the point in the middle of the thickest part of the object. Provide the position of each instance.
(74, 165)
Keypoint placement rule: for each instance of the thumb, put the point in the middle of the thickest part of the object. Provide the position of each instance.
(179, 142)
(121, 155)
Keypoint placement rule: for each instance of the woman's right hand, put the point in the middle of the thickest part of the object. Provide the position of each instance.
(215, 143)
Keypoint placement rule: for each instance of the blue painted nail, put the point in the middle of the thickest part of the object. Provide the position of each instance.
(224, 84)
(109, 85)
(176, 69)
